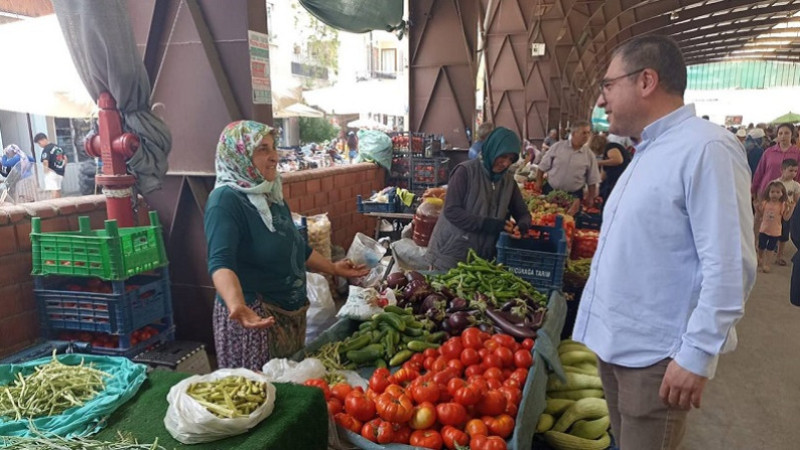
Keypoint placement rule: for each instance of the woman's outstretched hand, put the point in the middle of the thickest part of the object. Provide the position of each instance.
(249, 319)
(348, 269)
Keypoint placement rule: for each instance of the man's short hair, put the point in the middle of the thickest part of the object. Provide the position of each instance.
(660, 53)
(789, 162)
(39, 137)
(484, 130)
(578, 124)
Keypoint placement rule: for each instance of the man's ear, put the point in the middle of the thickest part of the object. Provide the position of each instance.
(648, 82)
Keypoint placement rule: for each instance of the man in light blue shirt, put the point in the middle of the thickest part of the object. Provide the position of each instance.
(676, 258)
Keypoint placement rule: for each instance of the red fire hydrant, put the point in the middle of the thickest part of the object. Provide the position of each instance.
(114, 148)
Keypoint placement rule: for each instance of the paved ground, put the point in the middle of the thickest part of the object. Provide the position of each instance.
(754, 401)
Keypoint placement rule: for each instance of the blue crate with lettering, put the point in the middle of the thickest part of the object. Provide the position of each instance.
(540, 259)
(364, 206)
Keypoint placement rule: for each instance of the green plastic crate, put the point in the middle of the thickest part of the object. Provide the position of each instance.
(112, 253)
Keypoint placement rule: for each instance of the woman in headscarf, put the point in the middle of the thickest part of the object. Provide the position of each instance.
(481, 195)
(256, 257)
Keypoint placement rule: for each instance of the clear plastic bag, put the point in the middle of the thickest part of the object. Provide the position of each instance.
(191, 423)
(321, 311)
(282, 370)
(319, 234)
(365, 250)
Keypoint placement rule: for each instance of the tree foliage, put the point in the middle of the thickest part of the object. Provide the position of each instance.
(316, 130)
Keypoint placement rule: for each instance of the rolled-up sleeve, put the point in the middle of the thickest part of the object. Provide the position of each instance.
(718, 206)
(222, 237)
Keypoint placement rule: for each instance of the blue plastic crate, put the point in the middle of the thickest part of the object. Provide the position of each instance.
(64, 303)
(368, 207)
(166, 333)
(42, 349)
(540, 260)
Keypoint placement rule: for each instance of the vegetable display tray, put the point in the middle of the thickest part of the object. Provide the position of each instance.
(369, 207)
(116, 307)
(112, 253)
(539, 260)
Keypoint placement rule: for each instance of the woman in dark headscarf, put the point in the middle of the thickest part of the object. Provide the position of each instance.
(481, 195)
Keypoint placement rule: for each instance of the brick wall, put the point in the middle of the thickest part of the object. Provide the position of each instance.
(19, 324)
(334, 190)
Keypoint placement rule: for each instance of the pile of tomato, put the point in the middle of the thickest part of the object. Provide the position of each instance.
(106, 340)
(466, 392)
(584, 244)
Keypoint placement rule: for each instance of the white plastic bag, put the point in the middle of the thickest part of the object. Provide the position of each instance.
(365, 250)
(319, 234)
(409, 256)
(362, 303)
(321, 311)
(282, 370)
(191, 423)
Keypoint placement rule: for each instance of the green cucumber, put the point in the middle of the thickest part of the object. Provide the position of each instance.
(397, 310)
(367, 354)
(356, 343)
(392, 319)
(439, 336)
(414, 332)
(421, 346)
(401, 357)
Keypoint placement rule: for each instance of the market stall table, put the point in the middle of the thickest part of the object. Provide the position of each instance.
(403, 218)
(300, 419)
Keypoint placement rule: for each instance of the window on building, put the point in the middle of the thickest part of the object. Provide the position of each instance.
(388, 60)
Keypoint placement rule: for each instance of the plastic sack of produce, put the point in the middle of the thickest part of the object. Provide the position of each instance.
(319, 234)
(282, 370)
(375, 146)
(321, 310)
(362, 303)
(190, 422)
(123, 381)
(365, 250)
(409, 255)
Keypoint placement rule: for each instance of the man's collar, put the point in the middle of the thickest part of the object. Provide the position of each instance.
(655, 129)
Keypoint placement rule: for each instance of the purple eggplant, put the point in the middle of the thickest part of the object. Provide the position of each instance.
(447, 293)
(414, 275)
(396, 280)
(458, 304)
(417, 290)
(459, 320)
(435, 314)
(503, 321)
(432, 301)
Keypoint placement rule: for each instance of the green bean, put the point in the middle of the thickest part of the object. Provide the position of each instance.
(51, 389)
(229, 397)
(40, 441)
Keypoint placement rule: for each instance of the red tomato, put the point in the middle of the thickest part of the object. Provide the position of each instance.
(484, 336)
(453, 437)
(340, 391)
(494, 372)
(456, 365)
(455, 384)
(444, 396)
(427, 439)
(510, 382)
(523, 359)
(444, 376)
(334, 406)
(452, 348)
(502, 425)
(507, 373)
(320, 384)
(492, 360)
(451, 414)
(494, 383)
(395, 409)
(493, 403)
(425, 391)
(428, 364)
(359, 406)
(481, 442)
(349, 422)
(475, 427)
(418, 358)
(471, 338)
(402, 433)
(379, 380)
(413, 366)
(470, 356)
(491, 345)
(423, 416)
(483, 352)
(404, 375)
(430, 352)
(480, 382)
(511, 409)
(377, 430)
(439, 364)
(506, 356)
(504, 340)
(467, 395)
(520, 375)
(512, 394)
(473, 370)
(394, 390)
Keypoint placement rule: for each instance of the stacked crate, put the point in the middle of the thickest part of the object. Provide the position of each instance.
(411, 169)
(108, 287)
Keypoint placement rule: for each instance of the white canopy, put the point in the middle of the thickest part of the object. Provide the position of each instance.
(368, 124)
(298, 110)
(38, 75)
(388, 97)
